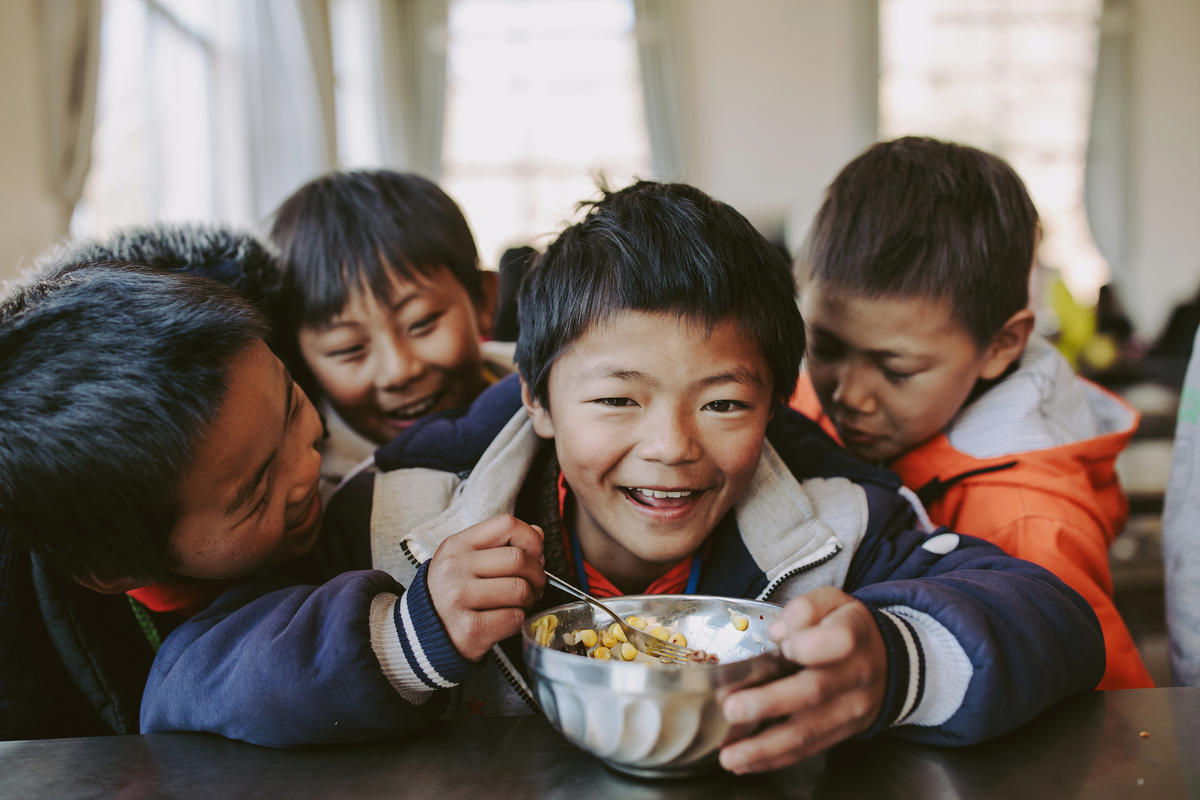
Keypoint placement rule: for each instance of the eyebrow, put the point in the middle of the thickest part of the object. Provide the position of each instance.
(819, 332)
(735, 375)
(392, 305)
(247, 490)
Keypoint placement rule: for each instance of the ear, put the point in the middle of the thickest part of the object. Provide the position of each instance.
(485, 309)
(1007, 345)
(543, 426)
(109, 585)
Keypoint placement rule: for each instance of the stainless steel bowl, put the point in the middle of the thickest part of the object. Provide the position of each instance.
(647, 719)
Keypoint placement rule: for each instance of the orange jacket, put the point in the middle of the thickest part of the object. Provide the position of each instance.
(1058, 506)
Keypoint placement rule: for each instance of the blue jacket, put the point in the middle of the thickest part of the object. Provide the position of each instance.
(977, 642)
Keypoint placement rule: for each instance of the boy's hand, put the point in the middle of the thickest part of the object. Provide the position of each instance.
(483, 579)
(838, 693)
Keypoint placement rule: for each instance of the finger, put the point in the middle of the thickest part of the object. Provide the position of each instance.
(492, 593)
(505, 529)
(796, 693)
(782, 744)
(819, 645)
(806, 610)
(499, 562)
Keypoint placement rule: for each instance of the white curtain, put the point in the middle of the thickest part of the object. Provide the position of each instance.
(658, 27)
(1106, 173)
(286, 88)
(412, 53)
(70, 54)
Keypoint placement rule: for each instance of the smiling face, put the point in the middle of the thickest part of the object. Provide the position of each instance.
(658, 427)
(386, 362)
(249, 498)
(892, 372)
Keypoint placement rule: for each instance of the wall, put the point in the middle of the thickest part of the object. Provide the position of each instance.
(29, 220)
(1164, 266)
(783, 94)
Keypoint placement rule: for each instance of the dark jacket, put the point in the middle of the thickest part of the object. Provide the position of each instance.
(72, 662)
(977, 642)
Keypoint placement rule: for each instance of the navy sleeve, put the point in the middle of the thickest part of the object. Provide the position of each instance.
(454, 440)
(305, 664)
(1015, 636)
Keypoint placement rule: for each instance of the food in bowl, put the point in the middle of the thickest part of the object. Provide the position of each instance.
(640, 716)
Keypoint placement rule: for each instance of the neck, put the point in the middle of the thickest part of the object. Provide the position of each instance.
(630, 574)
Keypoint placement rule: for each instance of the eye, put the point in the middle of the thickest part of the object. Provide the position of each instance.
(350, 351)
(614, 402)
(895, 377)
(425, 324)
(726, 406)
(261, 505)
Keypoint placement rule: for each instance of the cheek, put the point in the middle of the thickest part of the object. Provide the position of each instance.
(586, 451)
(346, 385)
(739, 458)
(455, 347)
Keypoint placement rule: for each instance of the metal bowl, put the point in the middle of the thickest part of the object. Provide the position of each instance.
(649, 719)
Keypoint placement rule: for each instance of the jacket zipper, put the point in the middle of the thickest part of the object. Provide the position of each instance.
(498, 657)
(820, 558)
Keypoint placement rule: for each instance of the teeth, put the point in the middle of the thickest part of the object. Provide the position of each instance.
(657, 495)
(414, 410)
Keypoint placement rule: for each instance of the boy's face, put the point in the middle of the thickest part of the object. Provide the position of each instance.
(249, 499)
(658, 427)
(890, 372)
(386, 362)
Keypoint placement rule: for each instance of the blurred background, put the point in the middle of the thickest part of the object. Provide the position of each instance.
(120, 112)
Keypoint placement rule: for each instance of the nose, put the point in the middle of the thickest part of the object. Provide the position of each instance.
(396, 365)
(305, 458)
(853, 390)
(668, 436)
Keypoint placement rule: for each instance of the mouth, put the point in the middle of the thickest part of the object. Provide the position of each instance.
(664, 499)
(307, 517)
(854, 436)
(409, 412)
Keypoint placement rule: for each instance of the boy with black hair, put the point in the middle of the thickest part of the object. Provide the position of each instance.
(147, 436)
(659, 340)
(922, 357)
(383, 307)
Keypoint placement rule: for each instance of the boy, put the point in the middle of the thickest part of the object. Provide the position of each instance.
(659, 339)
(383, 307)
(921, 357)
(137, 411)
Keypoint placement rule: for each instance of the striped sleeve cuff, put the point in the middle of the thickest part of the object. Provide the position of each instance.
(412, 644)
(905, 671)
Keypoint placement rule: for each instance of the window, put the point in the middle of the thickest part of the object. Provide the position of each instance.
(541, 96)
(1013, 77)
(153, 149)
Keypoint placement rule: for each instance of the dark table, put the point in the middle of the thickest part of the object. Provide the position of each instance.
(1089, 746)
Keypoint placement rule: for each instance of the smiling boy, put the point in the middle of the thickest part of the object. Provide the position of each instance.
(383, 308)
(148, 439)
(649, 450)
(921, 357)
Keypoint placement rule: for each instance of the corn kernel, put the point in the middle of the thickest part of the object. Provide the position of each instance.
(679, 639)
(609, 641)
(740, 622)
(615, 631)
(587, 636)
(660, 633)
(636, 622)
(628, 651)
(601, 653)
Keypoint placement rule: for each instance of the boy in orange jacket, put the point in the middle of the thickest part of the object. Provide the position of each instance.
(921, 356)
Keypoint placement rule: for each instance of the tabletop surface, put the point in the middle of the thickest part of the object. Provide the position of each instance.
(1136, 743)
